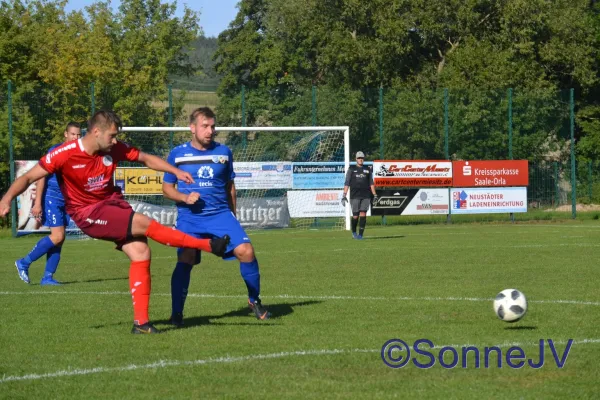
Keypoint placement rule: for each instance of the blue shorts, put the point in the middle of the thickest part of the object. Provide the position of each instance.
(54, 213)
(218, 225)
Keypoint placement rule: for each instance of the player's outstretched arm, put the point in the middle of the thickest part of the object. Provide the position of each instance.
(158, 164)
(171, 193)
(19, 186)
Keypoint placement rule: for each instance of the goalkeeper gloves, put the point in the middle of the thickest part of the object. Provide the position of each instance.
(375, 198)
(344, 200)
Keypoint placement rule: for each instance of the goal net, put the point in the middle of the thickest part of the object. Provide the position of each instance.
(286, 177)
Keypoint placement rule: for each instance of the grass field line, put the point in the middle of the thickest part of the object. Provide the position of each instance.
(237, 359)
(300, 297)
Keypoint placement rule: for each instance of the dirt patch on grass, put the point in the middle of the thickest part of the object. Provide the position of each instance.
(578, 207)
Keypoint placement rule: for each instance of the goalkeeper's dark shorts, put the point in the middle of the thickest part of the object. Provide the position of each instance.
(360, 205)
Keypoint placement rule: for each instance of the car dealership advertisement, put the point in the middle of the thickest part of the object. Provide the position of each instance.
(490, 173)
(412, 173)
(411, 202)
(488, 200)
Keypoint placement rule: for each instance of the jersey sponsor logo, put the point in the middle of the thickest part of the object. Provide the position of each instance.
(79, 166)
(95, 183)
(206, 172)
(58, 151)
(107, 160)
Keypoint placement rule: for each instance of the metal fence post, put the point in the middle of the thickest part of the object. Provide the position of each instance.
(93, 95)
(11, 160)
(244, 135)
(510, 124)
(170, 116)
(573, 173)
(383, 219)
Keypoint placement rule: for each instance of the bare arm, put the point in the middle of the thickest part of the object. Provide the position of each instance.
(158, 164)
(231, 196)
(38, 208)
(171, 193)
(19, 186)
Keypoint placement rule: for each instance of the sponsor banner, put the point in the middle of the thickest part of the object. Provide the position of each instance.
(411, 202)
(321, 175)
(488, 200)
(263, 175)
(26, 223)
(268, 212)
(326, 175)
(139, 180)
(490, 173)
(412, 173)
(315, 203)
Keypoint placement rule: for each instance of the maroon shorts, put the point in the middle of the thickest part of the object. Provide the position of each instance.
(109, 219)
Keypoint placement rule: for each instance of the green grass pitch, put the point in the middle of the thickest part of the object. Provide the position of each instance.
(335, 301)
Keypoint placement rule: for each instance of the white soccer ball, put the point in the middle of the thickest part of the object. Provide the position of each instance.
(510, 305)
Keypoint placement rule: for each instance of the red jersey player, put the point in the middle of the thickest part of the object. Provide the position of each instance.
(85, 169)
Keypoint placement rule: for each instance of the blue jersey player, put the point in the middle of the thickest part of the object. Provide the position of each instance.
(50, 209)
(206, 209)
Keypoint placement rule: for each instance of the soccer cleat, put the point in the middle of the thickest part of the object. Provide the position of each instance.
(176, 320)
(22, 270)
(218, 246)
(259, 310)
(354, 235)
(144, 329)
(49, 280)
(359, 237)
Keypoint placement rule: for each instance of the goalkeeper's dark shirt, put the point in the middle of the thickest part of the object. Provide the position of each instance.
(359, 179)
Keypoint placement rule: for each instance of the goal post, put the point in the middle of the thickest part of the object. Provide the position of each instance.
(285, 176)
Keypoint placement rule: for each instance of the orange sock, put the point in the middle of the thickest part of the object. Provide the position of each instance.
(140, 286)
(175, 238)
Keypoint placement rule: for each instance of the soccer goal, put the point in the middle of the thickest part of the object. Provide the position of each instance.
(286, 177)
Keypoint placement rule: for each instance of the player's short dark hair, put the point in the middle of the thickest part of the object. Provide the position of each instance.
(206, 112)
(104, 119)
(73, 124)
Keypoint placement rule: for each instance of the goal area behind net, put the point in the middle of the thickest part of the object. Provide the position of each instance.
(286, 177)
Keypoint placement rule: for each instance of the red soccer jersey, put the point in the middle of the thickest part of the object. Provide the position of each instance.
(84, 179)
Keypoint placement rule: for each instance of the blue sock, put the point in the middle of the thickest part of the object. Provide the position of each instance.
(42, 247)
(251, 276)
(52, 260)
(180, 282)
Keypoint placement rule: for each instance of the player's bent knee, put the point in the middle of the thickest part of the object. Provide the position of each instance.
(139, 224)
(244, 252)
(57, 235)
(187, 256)
(137, 250)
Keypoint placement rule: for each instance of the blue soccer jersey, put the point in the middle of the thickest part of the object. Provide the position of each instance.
(52, 189)
(212, 170)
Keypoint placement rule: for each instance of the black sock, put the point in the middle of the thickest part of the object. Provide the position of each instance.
(354, 223)
(363, 222)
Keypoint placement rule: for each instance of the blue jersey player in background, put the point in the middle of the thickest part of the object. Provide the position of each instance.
(49, 207)
(206, 209)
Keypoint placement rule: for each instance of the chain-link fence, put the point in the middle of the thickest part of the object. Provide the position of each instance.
(384, 123)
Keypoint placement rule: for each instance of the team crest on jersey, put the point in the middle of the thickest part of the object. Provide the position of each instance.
(222, 159)
(205, 172)
(107, 160)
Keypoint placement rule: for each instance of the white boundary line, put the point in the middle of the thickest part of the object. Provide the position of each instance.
(302, 297)
(229, 359)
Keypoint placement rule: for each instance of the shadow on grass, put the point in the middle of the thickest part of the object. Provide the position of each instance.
(93, 280)
(520, 328)
(276, 310)
(383, 237)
